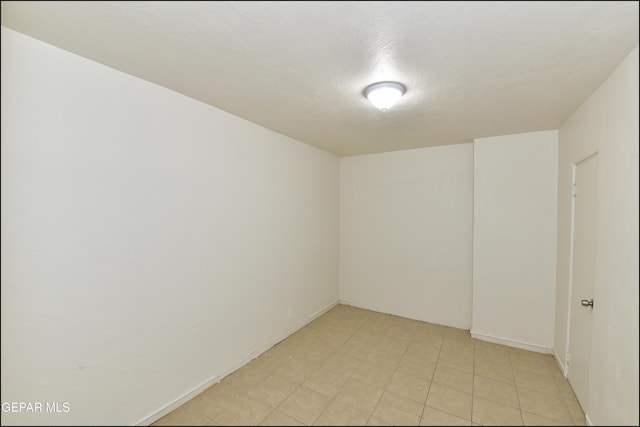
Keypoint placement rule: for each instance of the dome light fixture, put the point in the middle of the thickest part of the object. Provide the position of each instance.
(384, 95)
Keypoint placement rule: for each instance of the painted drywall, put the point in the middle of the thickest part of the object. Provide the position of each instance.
(607, 123)
(150, 242)
(405, 233)
(514, 239)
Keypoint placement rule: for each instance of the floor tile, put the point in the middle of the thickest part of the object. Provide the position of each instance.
(538, 420)
(342, 364)
(218, 398)
(457, 332)
(494, 370)
(543, 383)
(394, 343)
(463, 362)
(496, 391)
(326, 382)
(304, 405)
(374, 374)
(273, 390)
(452, 343)
(272, 359)
(244, 411)
(416, 367)
(356, 349)
(544, 405)
(409, 386)
(355, 366)
(277, 418)
(365, 339)
(493, 353)
(373, 421)
(449, 400)
(247, 377)
(361, 396)
(314, 356)
(401, 403)
(430, 328)
(429, 339)
(403, 332)
(575, 410)
(394, 415)
(384, 356)
(297, 370)
(185, 416)
(422, 351)
(337, 414)
(566, 392)
(454, 378)
(490, 413)
(531, 361)
(436, 417)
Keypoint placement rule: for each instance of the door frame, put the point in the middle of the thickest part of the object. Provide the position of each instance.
(574, 167)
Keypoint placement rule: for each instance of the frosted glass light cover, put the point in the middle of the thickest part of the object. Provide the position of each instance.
(384, 95)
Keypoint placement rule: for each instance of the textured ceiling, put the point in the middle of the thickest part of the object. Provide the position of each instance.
(472, 69)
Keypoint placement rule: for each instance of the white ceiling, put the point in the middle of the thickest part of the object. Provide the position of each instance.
(472, 69)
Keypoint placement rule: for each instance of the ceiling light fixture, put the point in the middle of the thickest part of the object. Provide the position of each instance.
(384, 95)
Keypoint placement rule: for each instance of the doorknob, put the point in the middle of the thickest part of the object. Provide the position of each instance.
(587, 302)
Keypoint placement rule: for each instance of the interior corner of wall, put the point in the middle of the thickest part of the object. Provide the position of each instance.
(559, 361)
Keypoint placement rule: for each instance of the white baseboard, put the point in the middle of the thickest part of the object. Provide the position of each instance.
(179, 402)
(322, 311)
(436, 321)
(562, 366)
(512, 343)
(241, 362)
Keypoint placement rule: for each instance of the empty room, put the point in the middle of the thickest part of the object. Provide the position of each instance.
(319, 213)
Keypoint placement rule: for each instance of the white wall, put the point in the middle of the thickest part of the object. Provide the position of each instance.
(606, 123)
(405, 233)
(150, 242)
(514, 239)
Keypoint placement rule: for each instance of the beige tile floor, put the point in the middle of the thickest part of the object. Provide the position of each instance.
(359, 367)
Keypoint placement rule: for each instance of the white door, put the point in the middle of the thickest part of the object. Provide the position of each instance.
(583, 272)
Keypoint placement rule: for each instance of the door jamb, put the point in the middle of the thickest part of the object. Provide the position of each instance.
(574, 166)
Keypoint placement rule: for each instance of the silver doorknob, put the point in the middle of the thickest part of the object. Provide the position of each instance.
(587, 302)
